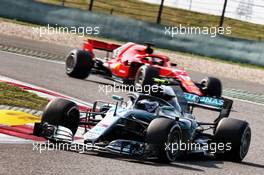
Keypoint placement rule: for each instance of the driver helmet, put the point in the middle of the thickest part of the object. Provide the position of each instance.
(164, 92)
(147, 105)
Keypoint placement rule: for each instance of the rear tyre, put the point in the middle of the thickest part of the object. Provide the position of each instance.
(164, 135)
(61, 112)
(79, 64)
(211, 87)
(235, 132)
(144, 77)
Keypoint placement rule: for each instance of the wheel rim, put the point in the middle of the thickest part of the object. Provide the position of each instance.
(204, 84)
(173, 138)
(70, 63)
(245, 143)
(139, 79)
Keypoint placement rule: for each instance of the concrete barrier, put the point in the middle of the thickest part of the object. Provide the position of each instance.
(124, 29)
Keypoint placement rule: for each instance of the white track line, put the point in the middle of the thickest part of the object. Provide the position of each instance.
(245, 101)
(7, 139)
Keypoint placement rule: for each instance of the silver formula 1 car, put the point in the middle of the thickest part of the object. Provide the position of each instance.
(159, 125)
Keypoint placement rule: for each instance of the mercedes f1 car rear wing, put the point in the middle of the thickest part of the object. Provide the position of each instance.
(222, 105)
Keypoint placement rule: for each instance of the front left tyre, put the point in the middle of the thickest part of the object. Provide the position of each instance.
(62, 112)
(79, 64)
(164, 136)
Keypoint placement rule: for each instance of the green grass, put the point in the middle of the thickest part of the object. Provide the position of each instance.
(171, 16)
(15, 96)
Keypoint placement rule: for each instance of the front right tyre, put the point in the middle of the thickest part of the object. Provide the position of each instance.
(144, 77)
(211, 86)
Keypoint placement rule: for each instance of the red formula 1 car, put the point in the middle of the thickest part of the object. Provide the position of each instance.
(134, 63)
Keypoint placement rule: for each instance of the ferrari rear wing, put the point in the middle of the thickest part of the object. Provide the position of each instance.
(222, 105)
(91, 44)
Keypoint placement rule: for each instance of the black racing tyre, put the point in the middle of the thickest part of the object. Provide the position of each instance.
(144, 77)
(236, 133)
(164, 134)
(79, 64)
(211, 86)
(62, 112)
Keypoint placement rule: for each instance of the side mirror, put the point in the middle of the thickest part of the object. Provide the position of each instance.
(167, 108)
(173, 64)
(118, 98)
(127, 63)
(146, 59)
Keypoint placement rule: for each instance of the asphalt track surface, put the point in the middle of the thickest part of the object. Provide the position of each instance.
(21, 159)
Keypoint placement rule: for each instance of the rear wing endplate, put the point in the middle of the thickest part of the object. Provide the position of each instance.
(222, 105)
